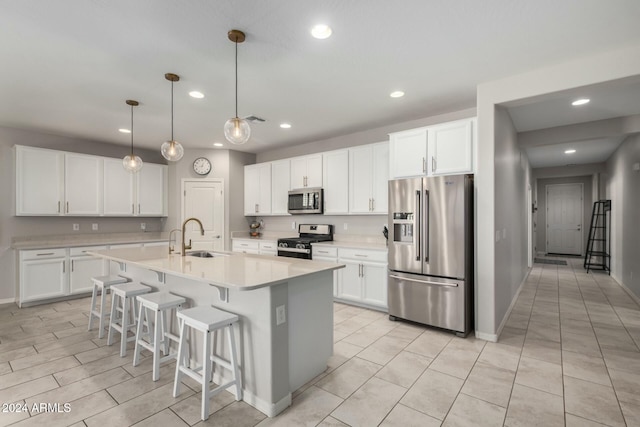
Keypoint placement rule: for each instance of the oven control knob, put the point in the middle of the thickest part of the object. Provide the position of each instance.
(300, 246)
(283, 245)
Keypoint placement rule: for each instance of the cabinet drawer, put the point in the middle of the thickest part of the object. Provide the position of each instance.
(245, 244)
(83, 250)
(363, 254)
(324, 251)
(42, 254)
(267, 246)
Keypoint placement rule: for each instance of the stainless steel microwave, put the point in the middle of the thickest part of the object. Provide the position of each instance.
(306, 201)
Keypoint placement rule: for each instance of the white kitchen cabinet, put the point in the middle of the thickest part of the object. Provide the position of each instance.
(364, 279)
(268, 247)
(151, 190)
(306, 171)
(257, 189)
(39, 181)
(83, 267)
(450, 148)
(246, 246)
(83, 175)
(43, 274)
(335, 174)
(119, 189)
(368, 178)
(327, 254)
(442, 149)
(280, 186)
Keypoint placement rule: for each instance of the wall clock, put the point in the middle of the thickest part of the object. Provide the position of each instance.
(201, 166)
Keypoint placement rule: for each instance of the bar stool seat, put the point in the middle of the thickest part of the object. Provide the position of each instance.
(157, 304)
(123, 302)
(206, 320)
(102, 284)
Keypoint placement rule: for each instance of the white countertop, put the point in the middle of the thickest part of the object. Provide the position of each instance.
(230, 270)
(75, 240)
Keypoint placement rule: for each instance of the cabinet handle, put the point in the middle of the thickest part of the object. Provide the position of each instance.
(323, 252)
(138, 208)
(63, 267)
(133, 209)
(45, 254)
(256, 208)
(424, 165)
(433, 164)
(58, 206)
(72, 266)
(373, 205)
(67, 207)
(362, 256)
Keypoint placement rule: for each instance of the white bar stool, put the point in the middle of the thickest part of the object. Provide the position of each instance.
(206, 320)
(156, 306)
(102, 284)
(123, 302)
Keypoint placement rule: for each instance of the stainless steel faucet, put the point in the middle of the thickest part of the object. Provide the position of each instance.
(184, 227)
(172, 249)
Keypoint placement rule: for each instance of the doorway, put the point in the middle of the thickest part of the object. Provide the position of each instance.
(204, 199)
(564, 218)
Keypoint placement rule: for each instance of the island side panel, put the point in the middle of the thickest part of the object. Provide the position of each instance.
(310, 322)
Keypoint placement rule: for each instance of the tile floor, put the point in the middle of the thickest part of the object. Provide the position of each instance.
(569, 355)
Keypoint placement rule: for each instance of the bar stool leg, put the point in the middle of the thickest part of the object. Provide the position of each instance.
(136, 351)
(125, 327)
(93, 305)
(180, 360)
(156, 345)
(112, 317)
(103, 313)
(234, 362)
(206, 374)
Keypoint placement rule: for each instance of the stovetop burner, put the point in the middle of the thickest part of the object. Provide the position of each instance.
(300, 247)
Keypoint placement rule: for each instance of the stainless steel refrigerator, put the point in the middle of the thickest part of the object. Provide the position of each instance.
(431, 251)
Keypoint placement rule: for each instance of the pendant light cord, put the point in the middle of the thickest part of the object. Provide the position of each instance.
(236, 77)
(172, 111)
(132, 131)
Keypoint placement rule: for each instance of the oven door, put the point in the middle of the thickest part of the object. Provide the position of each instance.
(295, 253)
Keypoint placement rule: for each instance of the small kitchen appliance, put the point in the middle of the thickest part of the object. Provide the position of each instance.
(300, 247)
(306, 201)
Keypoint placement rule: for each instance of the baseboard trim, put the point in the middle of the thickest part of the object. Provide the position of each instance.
(7, 301)
(486, 337)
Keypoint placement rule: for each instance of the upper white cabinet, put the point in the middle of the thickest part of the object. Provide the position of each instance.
(83, 184)
(280, 186)
(257, 189)
(335, 175)
(368, 176)
(51, 182)
(151, 190)
(39, 181)
(442, 149)
(119, 189)
(306, 171)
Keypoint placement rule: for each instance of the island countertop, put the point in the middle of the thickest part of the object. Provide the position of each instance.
(232, 270)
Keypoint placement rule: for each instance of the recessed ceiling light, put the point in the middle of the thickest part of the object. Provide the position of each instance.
(397, 94)
(580, 101)
(196, 94)
(124, 130)
(285, 125)
(321, 31)
(569, 151)
(218, 144)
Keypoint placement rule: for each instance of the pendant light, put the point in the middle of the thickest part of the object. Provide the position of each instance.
(237, 130)
(172, 150)
(131, 162)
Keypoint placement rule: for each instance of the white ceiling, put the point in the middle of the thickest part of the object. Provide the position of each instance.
(69, 65)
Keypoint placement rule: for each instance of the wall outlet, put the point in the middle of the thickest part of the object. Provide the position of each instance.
(281, 315)
(293, 225)
(94, 227)
(143, 226)
(76, 227)
(345, 226)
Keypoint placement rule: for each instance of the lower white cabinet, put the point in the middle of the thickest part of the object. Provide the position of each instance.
(43, 274)
(268, 247)
(83, 267)
(255, 246)
(327, 254)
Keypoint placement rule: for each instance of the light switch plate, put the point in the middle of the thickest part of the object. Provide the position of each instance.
(76, 227)
(94, 227)
(281, 315)
(143, 226)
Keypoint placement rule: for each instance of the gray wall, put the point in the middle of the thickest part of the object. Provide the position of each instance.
(587, 205)
(12, 226)
(623, 188)
(360, 225)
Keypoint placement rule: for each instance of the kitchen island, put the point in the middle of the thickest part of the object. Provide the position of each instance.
(285, 305)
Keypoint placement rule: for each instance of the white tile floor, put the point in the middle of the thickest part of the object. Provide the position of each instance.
(569, 355)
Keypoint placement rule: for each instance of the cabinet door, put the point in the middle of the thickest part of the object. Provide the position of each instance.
(380, 178)
(349, 281)
(118, 189)
(280, 186)
(298, 172)
(451, 148)
(314, 171)
(335, 272)
(251, 189)
(152, 190)
(360, 179)
(39, 181)
(374, 284)
(41, 279)
(335, 175)
(408, 153)
(83, 268)
(264, 192)
(83, 184)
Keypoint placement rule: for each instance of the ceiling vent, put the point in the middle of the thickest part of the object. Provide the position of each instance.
(254, 119)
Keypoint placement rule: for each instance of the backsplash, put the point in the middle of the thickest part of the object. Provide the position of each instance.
(356, 225)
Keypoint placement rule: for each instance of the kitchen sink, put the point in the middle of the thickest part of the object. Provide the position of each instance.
(205, 254)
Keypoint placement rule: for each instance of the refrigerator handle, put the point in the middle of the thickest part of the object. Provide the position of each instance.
(417, 221)
(426, 226)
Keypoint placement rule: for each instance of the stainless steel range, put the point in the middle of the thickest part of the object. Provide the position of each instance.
(300, 247)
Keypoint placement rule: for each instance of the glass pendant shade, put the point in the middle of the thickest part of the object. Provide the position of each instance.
(237, 130)
(132, 163)
(172, 150)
